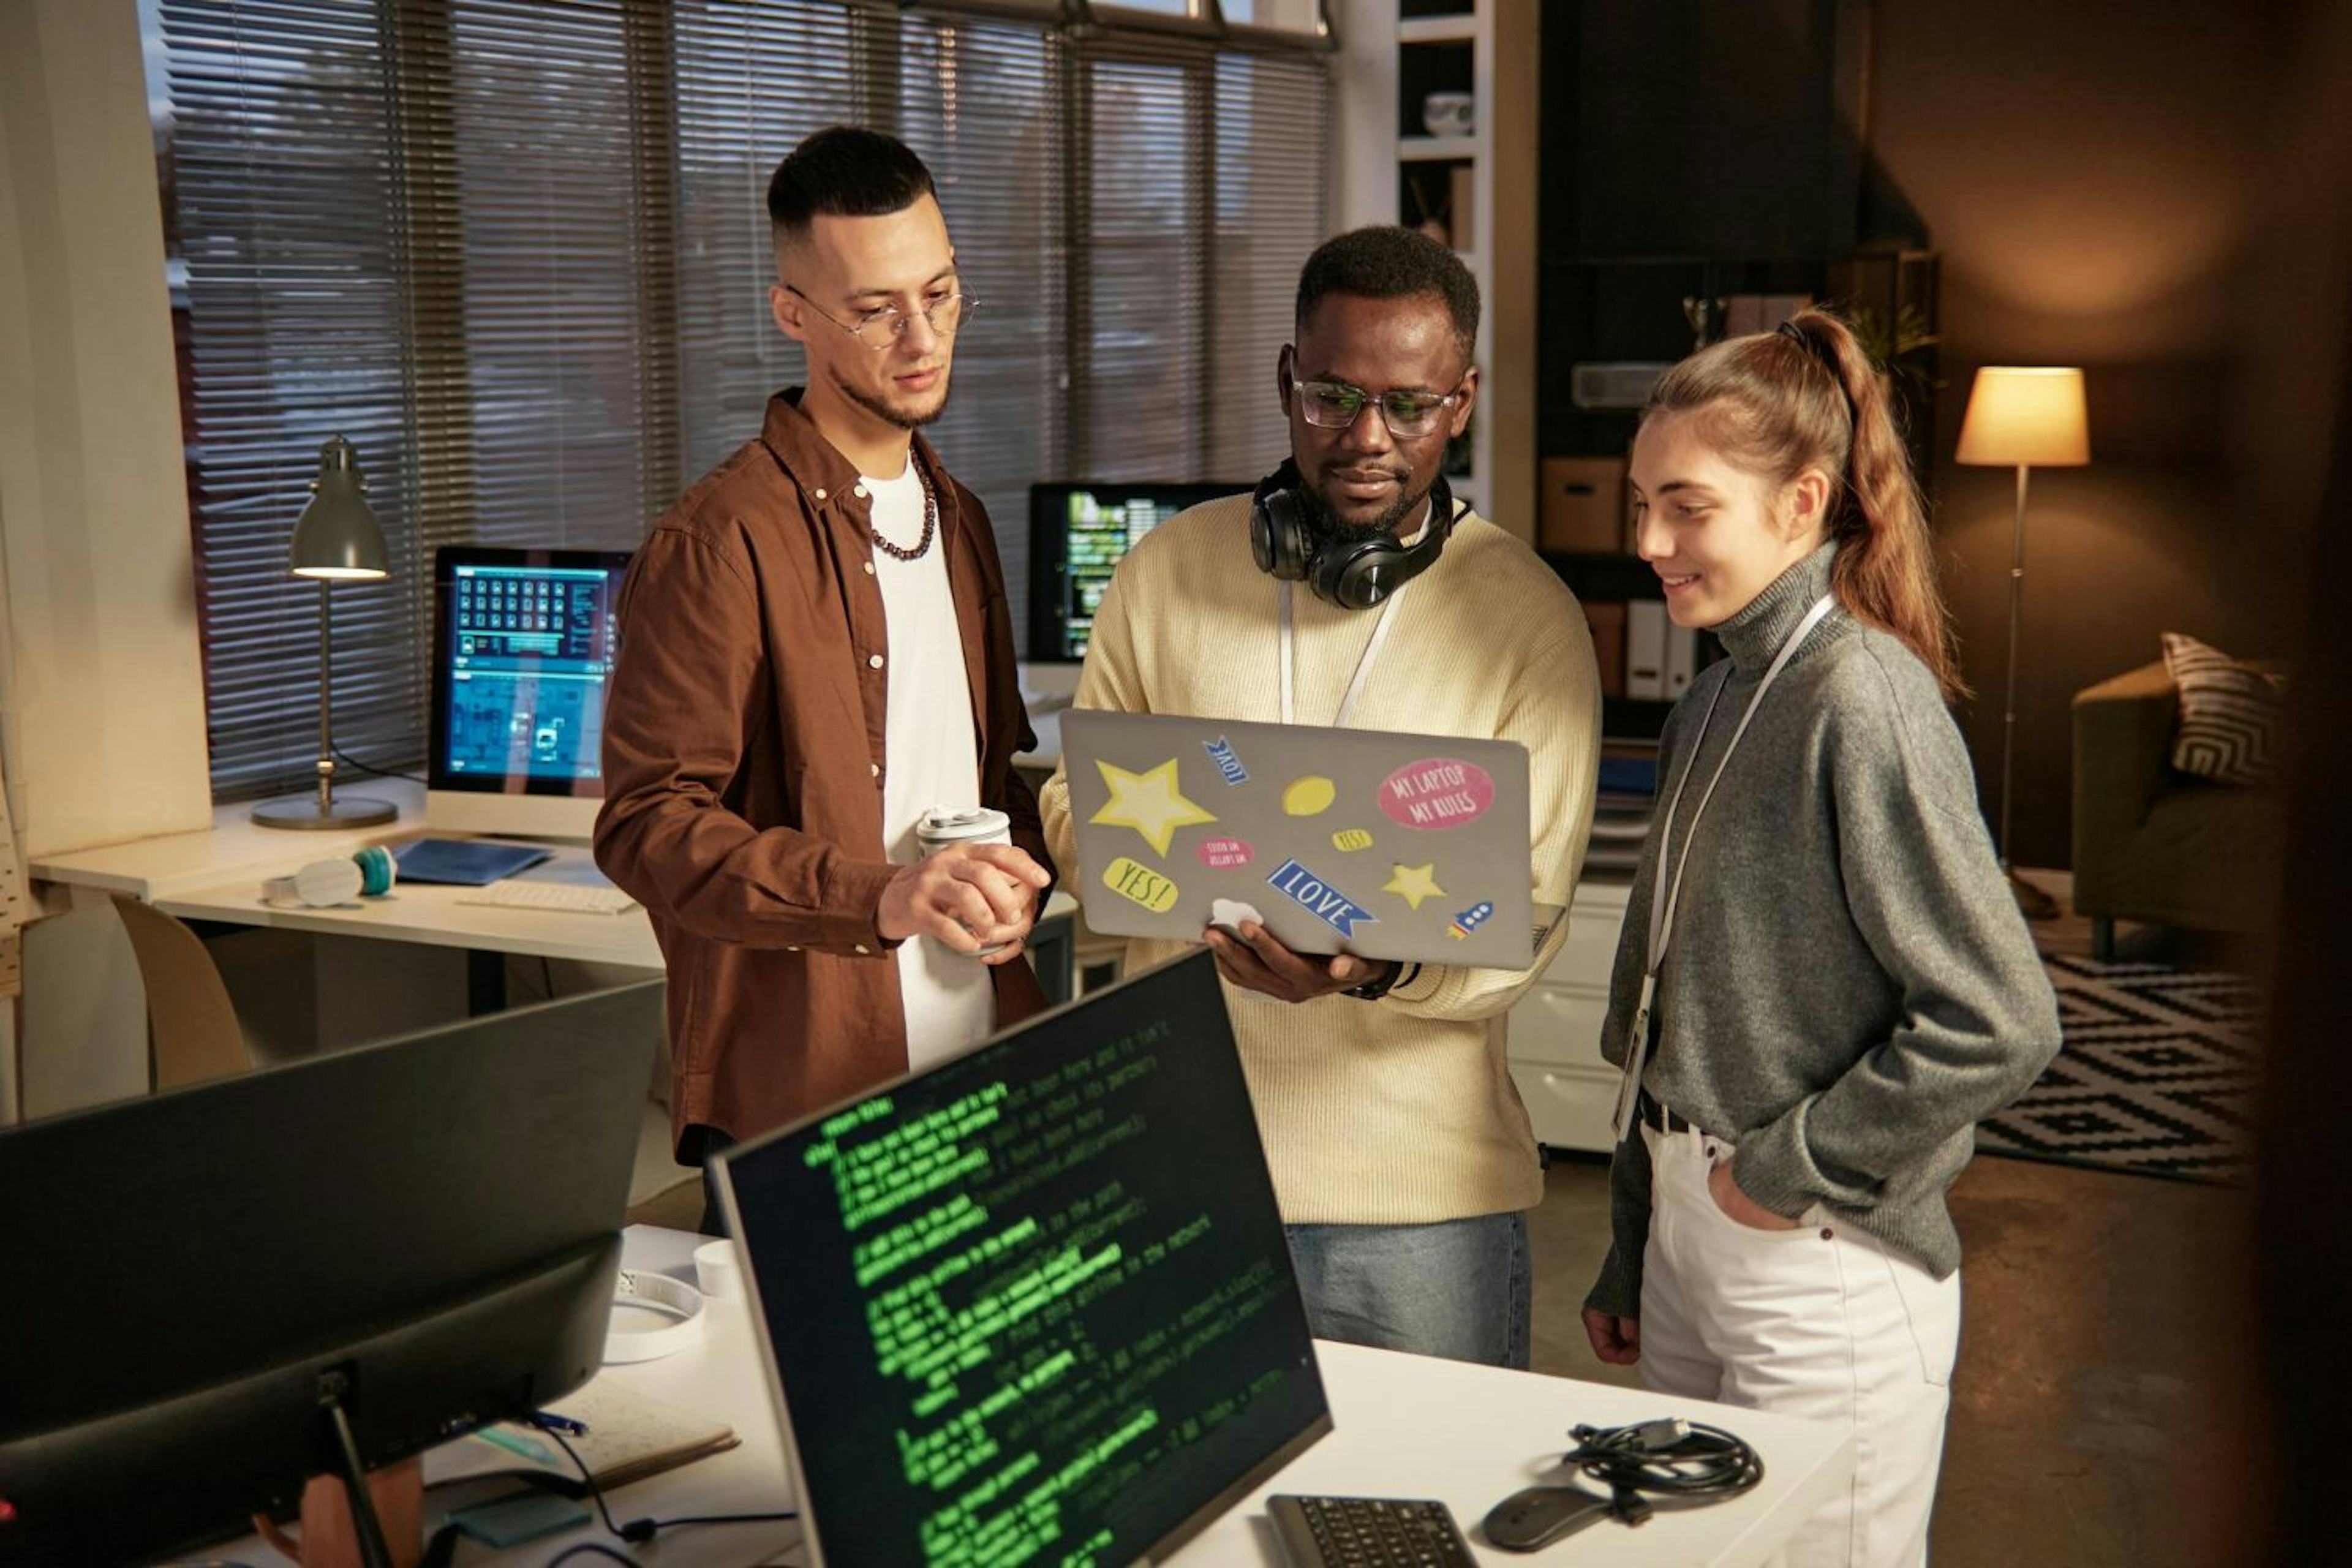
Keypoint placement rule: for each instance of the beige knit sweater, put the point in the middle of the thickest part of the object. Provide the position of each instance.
(1400, 1110)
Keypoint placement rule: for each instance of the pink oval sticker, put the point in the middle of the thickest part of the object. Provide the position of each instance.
(1437, 792)
(1223, 853)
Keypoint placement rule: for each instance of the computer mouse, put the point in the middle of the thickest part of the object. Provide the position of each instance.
(1531, 1520)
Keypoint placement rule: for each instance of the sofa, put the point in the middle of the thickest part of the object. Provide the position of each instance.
(2156, 845)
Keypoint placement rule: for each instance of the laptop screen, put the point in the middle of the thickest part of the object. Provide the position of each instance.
(1035, 1304)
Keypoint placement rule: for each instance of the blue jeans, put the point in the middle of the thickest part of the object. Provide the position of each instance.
(1457, 1289)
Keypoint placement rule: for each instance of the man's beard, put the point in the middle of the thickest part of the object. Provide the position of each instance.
(899, 417)
(1321, 515)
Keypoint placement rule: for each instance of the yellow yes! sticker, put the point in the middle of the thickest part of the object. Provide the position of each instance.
(1141, 884)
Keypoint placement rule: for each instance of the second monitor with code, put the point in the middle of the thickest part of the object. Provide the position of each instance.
(1035, 1303)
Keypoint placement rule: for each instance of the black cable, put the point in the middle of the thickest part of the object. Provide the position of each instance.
(1682, 1464)
(352, 762)
(637, 1531)
(591, 1548)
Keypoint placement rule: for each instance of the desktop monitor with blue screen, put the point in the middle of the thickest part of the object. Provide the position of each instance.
(1077, 535)
(524, 643)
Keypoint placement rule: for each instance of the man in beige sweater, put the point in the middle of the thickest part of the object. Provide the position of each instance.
(1402, 1155)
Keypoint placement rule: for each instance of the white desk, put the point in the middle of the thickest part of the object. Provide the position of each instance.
(1405, 1426)
(218, 876)
(433, 916)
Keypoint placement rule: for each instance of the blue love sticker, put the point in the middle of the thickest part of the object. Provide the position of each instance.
(1220, 752)
(1319, 899)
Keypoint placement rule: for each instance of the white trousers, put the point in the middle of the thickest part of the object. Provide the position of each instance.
(1821, 1322)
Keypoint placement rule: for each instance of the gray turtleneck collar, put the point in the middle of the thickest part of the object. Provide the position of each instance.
(1754, 634)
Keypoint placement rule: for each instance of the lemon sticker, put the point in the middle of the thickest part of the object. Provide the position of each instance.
(1309, 796)
(1141, 884)
(1348, 840)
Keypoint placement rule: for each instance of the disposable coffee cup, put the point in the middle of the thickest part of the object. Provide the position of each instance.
(945, 824)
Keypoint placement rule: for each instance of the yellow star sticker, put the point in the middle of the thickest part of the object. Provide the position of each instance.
(1148, 802)
(1414, 883)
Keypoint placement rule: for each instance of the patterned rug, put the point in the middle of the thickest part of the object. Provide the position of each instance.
(2157, 1076)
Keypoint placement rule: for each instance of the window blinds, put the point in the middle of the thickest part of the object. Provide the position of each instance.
(518, 253)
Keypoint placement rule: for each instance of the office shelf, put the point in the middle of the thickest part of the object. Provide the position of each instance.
(1436, 148)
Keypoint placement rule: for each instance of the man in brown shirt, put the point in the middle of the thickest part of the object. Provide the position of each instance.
(815, 646)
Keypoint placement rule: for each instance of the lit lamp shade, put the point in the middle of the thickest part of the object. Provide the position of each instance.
(2026, 416)
(337, 537)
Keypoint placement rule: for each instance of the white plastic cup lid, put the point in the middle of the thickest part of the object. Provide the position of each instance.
(951, 824)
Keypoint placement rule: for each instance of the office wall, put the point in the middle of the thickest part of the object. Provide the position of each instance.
(101, 687)
(2090, 172)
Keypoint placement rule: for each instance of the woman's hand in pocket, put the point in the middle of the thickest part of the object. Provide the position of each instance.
(1616, 1340)
(1737, 1206)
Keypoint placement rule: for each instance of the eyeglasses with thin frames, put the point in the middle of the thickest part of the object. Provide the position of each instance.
(879, 329)
(1337, 404)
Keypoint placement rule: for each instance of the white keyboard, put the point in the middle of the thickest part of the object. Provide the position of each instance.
(570, 898)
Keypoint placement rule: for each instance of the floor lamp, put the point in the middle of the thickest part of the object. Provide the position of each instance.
(2024, 418)
(336, 539)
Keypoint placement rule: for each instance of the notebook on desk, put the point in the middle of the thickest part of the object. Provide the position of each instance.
(464, 862)
(629, 1437)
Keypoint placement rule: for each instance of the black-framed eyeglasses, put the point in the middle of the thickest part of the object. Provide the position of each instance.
(1337, 404)
(879, 329)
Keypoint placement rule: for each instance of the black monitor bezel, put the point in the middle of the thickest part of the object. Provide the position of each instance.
(1211, 1509)
(434, 1219)
(1049, 551)
(439, 776)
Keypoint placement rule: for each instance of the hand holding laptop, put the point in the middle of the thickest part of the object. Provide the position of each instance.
(1249, 956)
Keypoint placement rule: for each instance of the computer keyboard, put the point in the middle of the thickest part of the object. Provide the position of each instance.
(570, 898)
(1367, 1532)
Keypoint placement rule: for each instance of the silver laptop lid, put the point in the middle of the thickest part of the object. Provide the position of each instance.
(1412, 848)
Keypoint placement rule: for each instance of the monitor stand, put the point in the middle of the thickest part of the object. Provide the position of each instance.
(344, 1511)
(490, 815)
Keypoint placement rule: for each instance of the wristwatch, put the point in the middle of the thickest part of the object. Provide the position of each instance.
(1381, 985)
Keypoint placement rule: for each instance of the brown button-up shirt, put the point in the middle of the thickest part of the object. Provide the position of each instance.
(743, 769)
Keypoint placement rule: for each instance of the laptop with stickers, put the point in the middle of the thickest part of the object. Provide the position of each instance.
(1412, 848)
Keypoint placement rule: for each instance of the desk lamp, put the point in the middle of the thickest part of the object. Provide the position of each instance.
(2024, 418)
(337, 540)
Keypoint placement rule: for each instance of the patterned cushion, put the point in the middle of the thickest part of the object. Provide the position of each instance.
(2230, 714)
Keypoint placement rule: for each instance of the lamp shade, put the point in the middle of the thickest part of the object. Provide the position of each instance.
(337, 536)
(2026, 416)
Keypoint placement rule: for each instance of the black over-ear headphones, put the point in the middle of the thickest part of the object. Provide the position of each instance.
(1353, 571)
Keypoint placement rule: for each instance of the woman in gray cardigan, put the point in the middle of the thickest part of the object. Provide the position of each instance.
(1823, 981)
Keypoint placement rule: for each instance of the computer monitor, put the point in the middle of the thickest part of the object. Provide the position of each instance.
(427, 1229)
(1077, 535)
(1034, 1303)
(523, 642)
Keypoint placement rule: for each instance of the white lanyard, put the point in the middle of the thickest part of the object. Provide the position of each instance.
(1363, 664)
(1663, 897)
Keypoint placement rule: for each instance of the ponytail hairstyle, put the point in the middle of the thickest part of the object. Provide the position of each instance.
(1807, 396)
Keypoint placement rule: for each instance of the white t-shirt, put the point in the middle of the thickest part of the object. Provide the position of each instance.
(933, 761)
